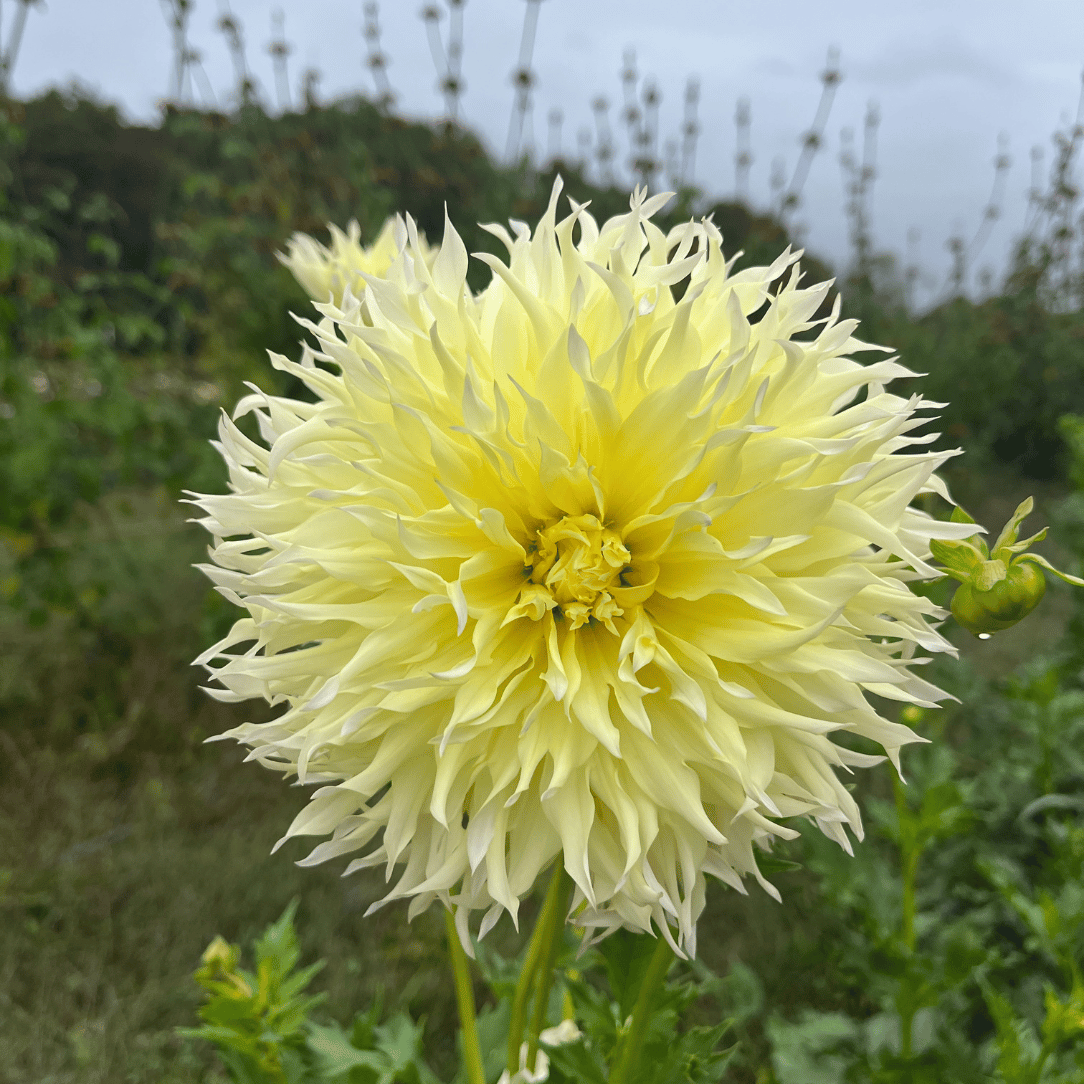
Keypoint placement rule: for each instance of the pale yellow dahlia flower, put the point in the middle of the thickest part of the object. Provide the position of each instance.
(575, 570)
(327, 273)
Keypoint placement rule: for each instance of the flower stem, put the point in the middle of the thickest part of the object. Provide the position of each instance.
(529, 971)
(552, 924)
(911, 851)
(629, 1050)
(464, 995)
(526, 978)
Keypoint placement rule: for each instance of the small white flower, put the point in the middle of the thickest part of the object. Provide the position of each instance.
(565, 1032)
(540, 1072)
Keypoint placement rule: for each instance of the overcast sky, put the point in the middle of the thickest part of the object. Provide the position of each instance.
(949, 78)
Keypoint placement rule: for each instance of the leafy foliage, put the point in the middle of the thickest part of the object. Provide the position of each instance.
(962, 919)
(259, 1022)
(671, 1052)
(261, 1027)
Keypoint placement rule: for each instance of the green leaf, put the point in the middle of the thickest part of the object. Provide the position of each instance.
(500, 972)
(627, 956)
(692, 1056)
(960, 557)
(960, 516)
(400, 1040)
(242, 1069)
(1006, 878)
(293, 1066)
(575, 1063)
(1012, 1036)
(809, 1051)
(278, 946)
(395, 1056)
(362, 1030)
(336, 1055)
(493, 1024)
(1011, 531)
(293, 984)
(740, 990)
(1025, 543)
(769, 863)
(1064, 1019)
(942, 812)
(596, 1014)
(1044, 563)
(290, 1018)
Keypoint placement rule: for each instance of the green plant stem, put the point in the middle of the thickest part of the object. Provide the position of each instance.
(910, 853)
(1040, 1063)
(550, 945)
(530, 969)
(464, 995)
(910, 877)
(629, 1050)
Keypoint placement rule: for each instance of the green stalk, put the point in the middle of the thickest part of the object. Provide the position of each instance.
(1044, 1054)
(551, 944)
(530, 969)
(464, 995)
(910, 872)
(629, 1050)
(910, 855)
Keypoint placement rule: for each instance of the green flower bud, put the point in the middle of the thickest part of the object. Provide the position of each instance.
(997, 588)
(912, 714)
(220, 957)
(219, 974)
(1002, 605)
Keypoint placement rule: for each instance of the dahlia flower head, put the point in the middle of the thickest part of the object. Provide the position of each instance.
(324, 272)
(588, 568)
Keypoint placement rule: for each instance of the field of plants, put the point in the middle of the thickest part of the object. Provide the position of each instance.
(139, 290)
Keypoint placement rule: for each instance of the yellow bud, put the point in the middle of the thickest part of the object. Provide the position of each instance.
(220, 955)
(912, 715)
(219, 971)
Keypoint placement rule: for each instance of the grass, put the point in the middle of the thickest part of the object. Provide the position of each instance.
(113, 889)
(126, 844)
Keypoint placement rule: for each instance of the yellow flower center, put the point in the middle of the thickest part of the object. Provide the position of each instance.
(576, 563)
